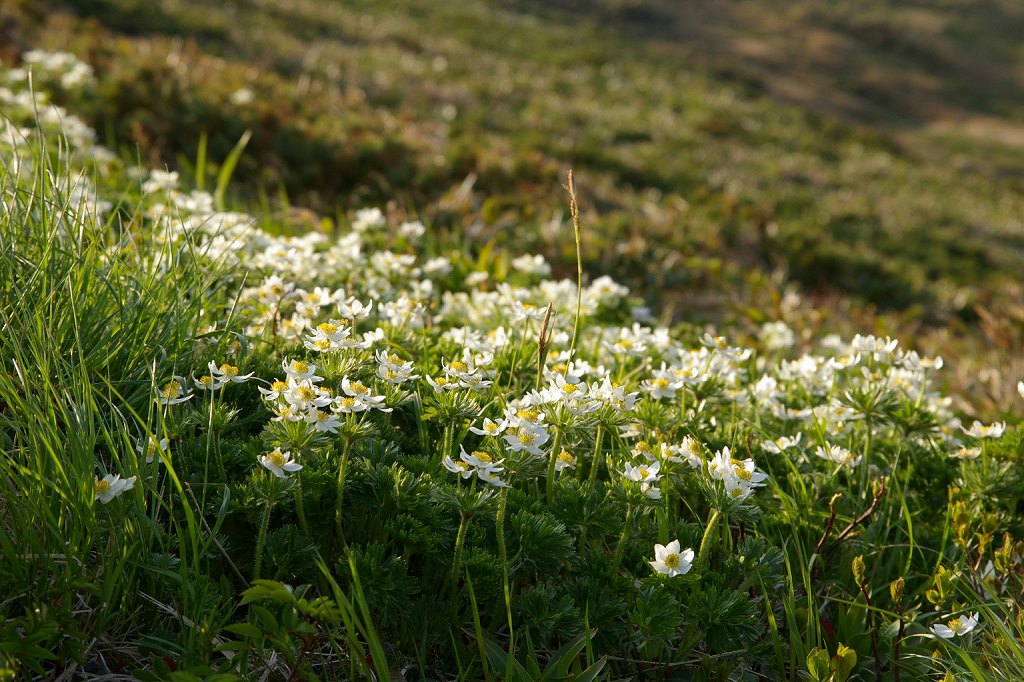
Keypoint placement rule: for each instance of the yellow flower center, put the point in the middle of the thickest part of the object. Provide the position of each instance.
(441, 381)
(482, 456)
(671, 560)
(328, 328)
(102, 486)
(743, 474)
(644, 472)
(171, 389)
(395, 360)
(206, 380)
(570, 388)
(322, 344)
(528, 415)
(954, 624)
(348, 402)
(661, 383)
(299, 367)
(643, 446)
(459, 366)
(625, 343)
(305, 393)
(357, 388)
(229, 370)
(391, 374)
(279, 386)
(564, 456)
(526, 437)
(277, 458)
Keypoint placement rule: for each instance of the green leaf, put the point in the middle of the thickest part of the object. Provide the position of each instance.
(844, 662)
(818, 665)
(560, 662)
(244, 630)
(228, 169)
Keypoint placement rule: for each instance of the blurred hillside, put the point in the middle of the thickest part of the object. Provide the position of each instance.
(870, 152)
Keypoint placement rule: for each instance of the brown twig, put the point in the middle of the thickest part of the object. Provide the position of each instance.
(860, 519)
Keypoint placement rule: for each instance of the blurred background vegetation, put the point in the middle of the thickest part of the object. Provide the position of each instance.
(867, 155)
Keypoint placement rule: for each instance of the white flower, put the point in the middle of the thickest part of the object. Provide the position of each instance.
(300, 370)
(412, 230)
(1020, 388)
(323, 421)
(688, 450)
(879, 349)
(173, 392)
(478, 459)
(368, 219)
(110, 486)
(351, 309)
(151, 448)
(564, 460)
(527, 438)
(491, 476)
(278, 463)
(966, 453)
(979, 430)
(276, 390)
(327, 336)
(668, 560)
(489, 428)
(457, 466)
(228, 373)
(781, 444)
(955, 627)
(837, 454)
(534, 265)
(207, 382)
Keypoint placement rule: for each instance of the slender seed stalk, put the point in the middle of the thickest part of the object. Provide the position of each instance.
(705, 542)
(622, 539)
(574, 211)
(261, 539)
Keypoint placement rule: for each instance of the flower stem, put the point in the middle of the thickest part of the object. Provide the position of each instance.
(460, 540)
(261, 539)
(342, 468)
(705, 542)
(622, 539)
(299, 508)
(556, 446)
(595, 463)
(499, 529)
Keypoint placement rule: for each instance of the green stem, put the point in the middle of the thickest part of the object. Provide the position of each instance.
(556, 446)
(595, 463)
(342, 467)
(622, 539)
(299, 508)
(460, 540)
(705, 542)
(261, 539)
(499, 529)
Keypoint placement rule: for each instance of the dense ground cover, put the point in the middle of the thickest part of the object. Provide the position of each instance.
(231, 454)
